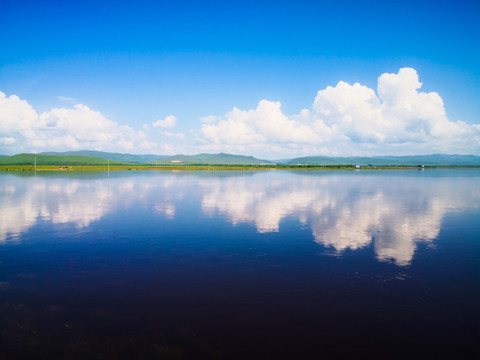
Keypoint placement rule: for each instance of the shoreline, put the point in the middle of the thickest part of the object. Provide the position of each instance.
(221, 167)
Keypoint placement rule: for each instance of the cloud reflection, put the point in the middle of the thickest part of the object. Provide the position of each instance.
(24, 201)
(346, 211)
(394, 211)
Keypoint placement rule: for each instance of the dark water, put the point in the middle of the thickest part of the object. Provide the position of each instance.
(272, 264)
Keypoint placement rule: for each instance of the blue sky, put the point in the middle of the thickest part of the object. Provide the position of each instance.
(201, 76)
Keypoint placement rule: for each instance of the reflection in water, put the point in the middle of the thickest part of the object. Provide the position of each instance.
(63, 200)
(345, 210)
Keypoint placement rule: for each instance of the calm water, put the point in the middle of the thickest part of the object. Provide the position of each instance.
(231, 264)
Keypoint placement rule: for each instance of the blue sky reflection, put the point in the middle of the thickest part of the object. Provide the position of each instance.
(343, 210)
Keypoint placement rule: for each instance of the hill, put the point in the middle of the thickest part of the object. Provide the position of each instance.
(130, 158)
(214, 159)
(85, 157)
(88, 157)
(60, 160)
(434, 160)
(199, 159)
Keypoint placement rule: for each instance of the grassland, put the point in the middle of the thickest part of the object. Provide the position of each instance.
(55, 160)
(45, 162)
(134, 167)
(42, 162)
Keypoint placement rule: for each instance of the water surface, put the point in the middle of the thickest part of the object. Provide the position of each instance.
(232, 264)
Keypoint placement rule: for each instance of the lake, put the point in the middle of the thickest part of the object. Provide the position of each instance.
(240, 264)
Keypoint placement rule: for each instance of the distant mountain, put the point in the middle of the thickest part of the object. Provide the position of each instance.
(60, 160)
(130, 158)
(89, 157)
(214, 159)
(434, 160)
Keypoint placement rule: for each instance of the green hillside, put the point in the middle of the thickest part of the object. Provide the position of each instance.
(60, 160)
(214, 159)
(129, 158)
(74, 159)
(413, 160)
(66, 160)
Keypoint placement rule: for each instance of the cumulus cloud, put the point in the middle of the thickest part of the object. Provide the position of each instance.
(164, 124)
(397, 118)
(7, 140)
(348, 120)
(179, 136)
(74, 128)
(167, 123)
(209, 119)
(66, 98)
(16, 117)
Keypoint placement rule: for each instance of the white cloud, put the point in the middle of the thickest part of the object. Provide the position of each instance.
(396, 118)
(167, 123)
(66, 98)
(180, 136)
(7, 140)
(209, 119)
(265, 124)
(16, 117)
(348, 120)
(22, 128)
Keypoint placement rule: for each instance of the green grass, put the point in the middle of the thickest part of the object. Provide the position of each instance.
(25, 162)
(123, 158)
(134, 167)
(150, 159)
(57, 160)
(213, 159)
(80, 158)
(412, 160)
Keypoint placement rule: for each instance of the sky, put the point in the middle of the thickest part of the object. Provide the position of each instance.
(272, 79)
